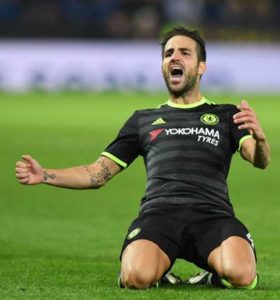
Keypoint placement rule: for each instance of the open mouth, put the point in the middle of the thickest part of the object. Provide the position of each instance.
(176, 73)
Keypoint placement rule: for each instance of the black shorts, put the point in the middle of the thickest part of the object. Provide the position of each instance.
(186, 232)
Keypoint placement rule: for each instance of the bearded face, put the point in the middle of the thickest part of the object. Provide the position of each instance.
(179, 81)
(180, 67)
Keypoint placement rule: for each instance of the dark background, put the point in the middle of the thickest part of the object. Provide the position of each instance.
(241, 20)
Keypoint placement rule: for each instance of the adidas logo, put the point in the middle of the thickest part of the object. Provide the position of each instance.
(158, 121)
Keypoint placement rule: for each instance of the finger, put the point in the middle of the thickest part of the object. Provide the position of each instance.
(22, 175)
(244, 105)
(248, 126)
(24, 181)
(21, 170)
(244, 102)
(243, 120)
(243, 114)
(21, 164)
(246, 119)
(27, 158)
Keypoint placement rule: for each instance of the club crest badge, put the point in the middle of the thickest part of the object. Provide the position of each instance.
(133, 233)
(209, 119)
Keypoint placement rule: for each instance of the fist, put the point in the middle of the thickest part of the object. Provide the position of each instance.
(29, 171)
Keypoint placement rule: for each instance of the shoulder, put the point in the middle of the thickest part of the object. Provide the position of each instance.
(142, 115)
(150, 111)
(224, 107)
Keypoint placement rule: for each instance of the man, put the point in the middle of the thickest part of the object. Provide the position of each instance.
(187, 145)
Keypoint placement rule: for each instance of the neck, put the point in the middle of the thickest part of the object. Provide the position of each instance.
(187, 98)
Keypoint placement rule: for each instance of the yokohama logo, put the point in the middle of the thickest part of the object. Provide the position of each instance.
(198, 131)
(193, 131)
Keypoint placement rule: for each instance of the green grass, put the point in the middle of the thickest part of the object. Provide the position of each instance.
(64, 244)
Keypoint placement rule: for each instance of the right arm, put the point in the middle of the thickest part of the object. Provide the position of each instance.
(92, 176)
(123, 150)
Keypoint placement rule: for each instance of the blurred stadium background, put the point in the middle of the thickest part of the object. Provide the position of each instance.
(71, 72)
(105, 45)
(143, 19)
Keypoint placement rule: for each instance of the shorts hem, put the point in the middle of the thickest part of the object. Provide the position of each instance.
(159, 242)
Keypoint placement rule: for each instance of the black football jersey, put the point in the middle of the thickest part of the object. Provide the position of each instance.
(187, 150)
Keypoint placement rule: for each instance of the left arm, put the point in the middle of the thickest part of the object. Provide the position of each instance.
(255, 150)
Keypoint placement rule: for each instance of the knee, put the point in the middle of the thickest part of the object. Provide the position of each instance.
(138, 279)
(241, 276)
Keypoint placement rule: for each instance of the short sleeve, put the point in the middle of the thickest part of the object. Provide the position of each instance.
(237, 136)
(125, 148)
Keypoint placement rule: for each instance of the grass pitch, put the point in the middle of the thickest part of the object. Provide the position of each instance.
(64, 244)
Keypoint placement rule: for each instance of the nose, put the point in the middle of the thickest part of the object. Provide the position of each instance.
(176, 55)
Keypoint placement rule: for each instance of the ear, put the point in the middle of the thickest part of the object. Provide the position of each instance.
(201, 68)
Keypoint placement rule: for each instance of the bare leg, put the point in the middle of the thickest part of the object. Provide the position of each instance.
(143, 264)
(234, 261)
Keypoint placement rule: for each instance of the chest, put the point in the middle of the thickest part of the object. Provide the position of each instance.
(208, 130)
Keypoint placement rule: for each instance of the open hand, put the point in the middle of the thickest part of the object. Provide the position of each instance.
(247, 119)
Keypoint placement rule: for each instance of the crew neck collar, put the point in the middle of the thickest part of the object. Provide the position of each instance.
(187, 106)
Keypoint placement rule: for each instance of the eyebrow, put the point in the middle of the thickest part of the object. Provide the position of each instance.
(181, 49)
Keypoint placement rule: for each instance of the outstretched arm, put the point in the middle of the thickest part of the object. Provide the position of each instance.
(95, 175)
(255, 150)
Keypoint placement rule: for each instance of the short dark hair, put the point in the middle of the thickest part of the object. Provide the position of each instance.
(193, 34)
